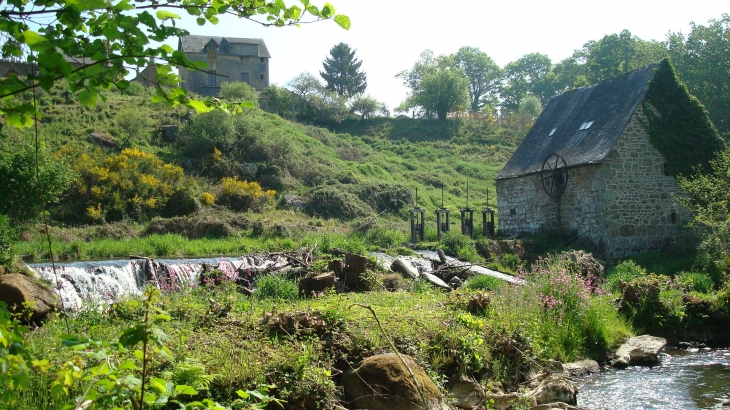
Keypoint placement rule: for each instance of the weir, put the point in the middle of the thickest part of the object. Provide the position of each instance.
(99, 283)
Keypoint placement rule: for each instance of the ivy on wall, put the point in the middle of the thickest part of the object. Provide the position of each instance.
(679, 126)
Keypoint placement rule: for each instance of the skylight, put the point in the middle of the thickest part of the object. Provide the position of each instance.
(585, 125)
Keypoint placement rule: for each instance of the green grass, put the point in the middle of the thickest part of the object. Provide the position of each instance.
(248, 347)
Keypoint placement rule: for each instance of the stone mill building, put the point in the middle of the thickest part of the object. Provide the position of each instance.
(601, 160)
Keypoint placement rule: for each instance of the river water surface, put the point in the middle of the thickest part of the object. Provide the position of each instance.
(684, 380)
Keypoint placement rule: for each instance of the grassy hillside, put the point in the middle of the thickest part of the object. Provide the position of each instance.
(352, 170)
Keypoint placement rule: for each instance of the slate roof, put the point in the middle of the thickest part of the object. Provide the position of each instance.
(195, 44)
(609, 104)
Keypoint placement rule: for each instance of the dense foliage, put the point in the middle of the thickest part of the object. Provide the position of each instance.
(679, 128)
(25, 177)
(707, 197)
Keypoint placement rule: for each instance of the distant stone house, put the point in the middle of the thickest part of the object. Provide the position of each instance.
(619, 190)
(229, 59)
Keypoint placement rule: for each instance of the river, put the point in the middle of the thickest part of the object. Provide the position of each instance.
(685, 380)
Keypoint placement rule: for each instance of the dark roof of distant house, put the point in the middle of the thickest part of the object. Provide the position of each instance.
(195, 44)
(608, 104)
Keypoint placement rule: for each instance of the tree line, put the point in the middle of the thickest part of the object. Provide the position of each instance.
(470, 81)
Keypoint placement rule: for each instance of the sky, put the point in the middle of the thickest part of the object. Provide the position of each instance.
(389, 35)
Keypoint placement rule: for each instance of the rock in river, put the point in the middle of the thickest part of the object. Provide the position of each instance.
(639, 351)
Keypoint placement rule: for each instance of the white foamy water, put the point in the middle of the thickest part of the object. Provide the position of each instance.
(96, 283)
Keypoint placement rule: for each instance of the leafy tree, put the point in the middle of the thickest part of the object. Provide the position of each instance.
(530, 106)
(20, 189)
(426, 64)
(443, 91)
(342, 72)
(436, 86)
(484, 76)
(108, 39)
(616, 54)
(526, 76)
(314, 102)
(702, 61)
(367, 106)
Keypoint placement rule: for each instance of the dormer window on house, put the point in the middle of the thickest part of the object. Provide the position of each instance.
(585, 125)
(243, 49)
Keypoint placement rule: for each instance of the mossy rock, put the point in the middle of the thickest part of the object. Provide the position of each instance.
(381, 382)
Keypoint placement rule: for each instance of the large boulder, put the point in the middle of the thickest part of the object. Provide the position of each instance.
(553, 388)
(639, 351)
(20, 292)
(466, 392)
(404, 266)
(381, 382)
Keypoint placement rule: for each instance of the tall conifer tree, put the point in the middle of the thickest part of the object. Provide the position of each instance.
(342, 72)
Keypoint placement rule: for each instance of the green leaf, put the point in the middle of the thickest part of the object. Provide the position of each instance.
(343, 21)
(19, 119)
(242, 394)
(198, 106)
(32, 38)
(127, 365)
(133, 335)
(88, 97)
(164, 15)
(328, 10)
(123, 6)
(183, 389)
(167, 48)
(200, 21)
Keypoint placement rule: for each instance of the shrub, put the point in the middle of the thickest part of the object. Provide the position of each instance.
(207, 198)
(238, 92)
(277, 287)
(19, 193)
(335, 202)
(694, 282)
(132, 184)
(459, 245)
(241, 195)
(6, 251)
(623, 272)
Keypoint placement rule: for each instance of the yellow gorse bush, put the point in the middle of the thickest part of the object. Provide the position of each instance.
(207, 198)
(132, 183)
(235, 187)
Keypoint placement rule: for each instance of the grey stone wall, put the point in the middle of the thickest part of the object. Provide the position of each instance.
(228, 69)
(639, 197)
(624, 205)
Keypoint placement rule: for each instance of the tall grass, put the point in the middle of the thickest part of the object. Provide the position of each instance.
(564, 315)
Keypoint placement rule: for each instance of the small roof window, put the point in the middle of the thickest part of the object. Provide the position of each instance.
(585, 125)
(552, 132)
